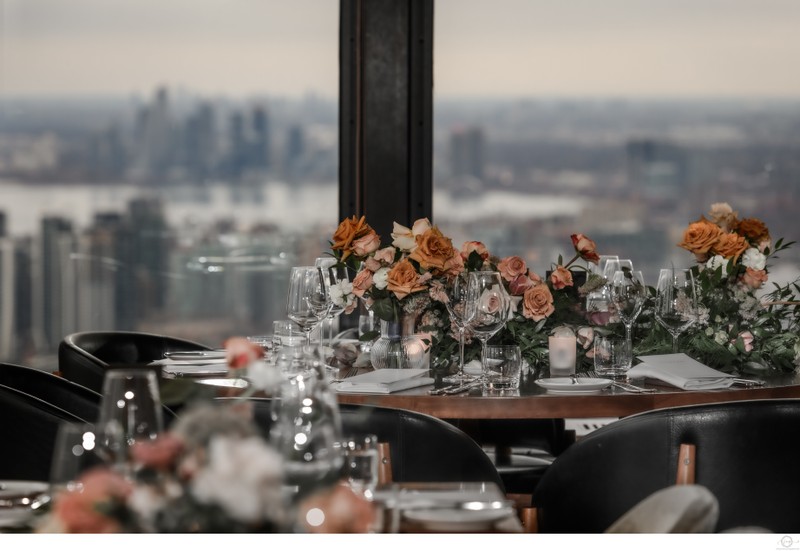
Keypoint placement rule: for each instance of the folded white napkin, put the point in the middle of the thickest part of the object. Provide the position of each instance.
(681, 371)
(211, 366)
(385, 381)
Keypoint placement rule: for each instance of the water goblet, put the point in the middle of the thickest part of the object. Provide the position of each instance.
(628, 294)
(339, 287)
(461, 308)
(307, 301)
(490, 303)
(676, 302)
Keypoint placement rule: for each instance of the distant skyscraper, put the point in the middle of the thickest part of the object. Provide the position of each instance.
(54, 291)
(7, 297)
(467, 148)
(295, 151)
(657, 170)
(259, 148)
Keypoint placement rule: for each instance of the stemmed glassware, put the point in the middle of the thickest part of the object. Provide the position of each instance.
(461, 306)
(337, 278)
(490, 302)
(307, 303)
(628, 294)
(676, 302)
(328, 266)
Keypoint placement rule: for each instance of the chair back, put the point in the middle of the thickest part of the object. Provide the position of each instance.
(28, 433)
(57, 391)
(84, 357)
(745, 455)
(422, 448)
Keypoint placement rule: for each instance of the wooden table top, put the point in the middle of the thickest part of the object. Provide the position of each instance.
(533, 402)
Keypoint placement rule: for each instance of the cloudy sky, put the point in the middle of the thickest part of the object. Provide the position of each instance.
(482, 47)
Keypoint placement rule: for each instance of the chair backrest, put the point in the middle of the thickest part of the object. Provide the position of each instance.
(422, 448)
(57, 391)
(84, 357)
(746, 455)
(28, 432)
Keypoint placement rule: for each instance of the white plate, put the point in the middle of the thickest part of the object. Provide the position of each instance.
(19, 499)
(457, 520)
(565, 384)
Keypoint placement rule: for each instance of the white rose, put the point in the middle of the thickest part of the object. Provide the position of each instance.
(754, 259)
(380, 279)
(716, 261)
(402, 238)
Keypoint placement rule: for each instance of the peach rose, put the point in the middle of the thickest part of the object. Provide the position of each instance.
(403, 279)
(454, 266)
(754, 278)
(367, 244)
(585, 247)
(385, 255)
(747, 340)
(723, 215)
(537, 303)
(511, 267)
(470, 247)
(585, 336)
(700, 237)
(561, 277)
(239, 352)
(434, 251)
(731, 245)
(362, 282)
(80, 512)
(520, 284)
(404, 238)
(349, 230)
(371, 264)
(160, 454)
(753, 229)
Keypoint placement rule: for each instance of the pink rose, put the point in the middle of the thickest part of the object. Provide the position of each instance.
(511, 267)
(520, 284)
(160, 454)
(747, 340)
(239, 352)
(585, 337)
(585, 247)
(362, 282)
(561, 277)
(81, 512)
(474, 246)
(385, 255)
(372, 265)
(754, 278)
(367, 244)
(454, 266)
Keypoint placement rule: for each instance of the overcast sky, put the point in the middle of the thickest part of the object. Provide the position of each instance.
(482, 47)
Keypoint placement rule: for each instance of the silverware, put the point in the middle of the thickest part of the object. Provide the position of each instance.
(747, 382)
(454, 389)
(627, 387)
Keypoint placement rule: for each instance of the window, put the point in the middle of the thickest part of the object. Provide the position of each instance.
(162, 165)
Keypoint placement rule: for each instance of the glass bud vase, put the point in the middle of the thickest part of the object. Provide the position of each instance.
(398, 347)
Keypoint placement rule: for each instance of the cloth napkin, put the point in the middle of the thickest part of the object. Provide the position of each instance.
(681, 371)
(192, 368)
(385, 381)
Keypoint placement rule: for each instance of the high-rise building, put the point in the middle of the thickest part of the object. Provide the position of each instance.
(467, 154)
(54, 295)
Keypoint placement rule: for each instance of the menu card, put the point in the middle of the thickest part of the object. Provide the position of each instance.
(385, 381)
(681, 371)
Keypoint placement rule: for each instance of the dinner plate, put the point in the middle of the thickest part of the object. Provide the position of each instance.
(565, 384)
(457, 520)
(19, 499)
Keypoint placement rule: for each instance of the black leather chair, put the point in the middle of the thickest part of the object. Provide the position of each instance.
(746, 455)
(57, 391)
(27, 433)
(84, 357)
(422, 448)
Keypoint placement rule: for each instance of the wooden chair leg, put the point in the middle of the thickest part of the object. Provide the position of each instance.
(384, 464)
(686, 464)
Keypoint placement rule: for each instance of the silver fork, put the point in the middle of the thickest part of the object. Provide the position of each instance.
(624, 385)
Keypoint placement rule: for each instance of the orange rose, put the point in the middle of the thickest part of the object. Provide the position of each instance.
(700, 237)
(512, 267)
(362, 282)
(731, 245)
(585, 247)
(754, 278)
(474, 246)
(367, 244)
(348, 231)
(537, 303)
(80, 512)
(434, 251)
(561, 277)
(403, 279)
(753, 229)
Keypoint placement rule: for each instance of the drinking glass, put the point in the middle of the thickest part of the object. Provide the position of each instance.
(130, 410)
(361, 463)
(503, 364)
(337, 279)
(628, 294)
(307, 303)
(78, 447)
(461, 307)
(325, 263)
(490, 303)
(368, 324)
(676, 302)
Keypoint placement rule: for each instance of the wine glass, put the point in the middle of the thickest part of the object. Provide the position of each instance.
(337, 279)
(628, 294)
(130, 410)
(461, 307)
(676, 302)
(307, 303)
(490, 303)
(326, 262)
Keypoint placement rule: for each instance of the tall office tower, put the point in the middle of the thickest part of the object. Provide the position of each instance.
(199, 146)
(154, 146)
(54, 284)
(467, 152)
(2, 223)
(295, 152)
(237, 146)
(145, 253)
(23, 300)
(259, 148)
(659, 171)
(7, 298)
(97, 273)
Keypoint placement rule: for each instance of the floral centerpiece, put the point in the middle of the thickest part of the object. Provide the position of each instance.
(741, 325)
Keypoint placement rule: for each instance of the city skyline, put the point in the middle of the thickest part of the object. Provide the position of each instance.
(527, 48)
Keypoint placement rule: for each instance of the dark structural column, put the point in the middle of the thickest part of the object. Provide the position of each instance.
(385, 110)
